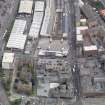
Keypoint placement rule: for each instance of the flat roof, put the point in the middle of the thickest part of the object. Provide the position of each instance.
(17, 39)
(45, 30)
(36, 24)
(78, 31)
(39, 6)
(19, 26)
(83, 20)
(25, 6)
(82, 28)
(54, 45)
(90, 48)
(80, 37)
(8, 57)
(93, 101)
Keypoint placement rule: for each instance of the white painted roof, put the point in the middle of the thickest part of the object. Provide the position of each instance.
(25, 6)
(82, 20)
(17, 39)
(54, 85)
(39, 6)
(8, 57)
(78, 31)
(19, 26)
(45, 25)
(82, 28)
(80, 37)
(65, 35)
(90, 48)
(36, 24)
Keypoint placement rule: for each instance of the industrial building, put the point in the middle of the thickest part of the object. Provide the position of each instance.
(17, 38)
(39, 6)
(8, 10)
(37, 19)
(25, 7)
(8, 61)
(36, 25)
(49, 18)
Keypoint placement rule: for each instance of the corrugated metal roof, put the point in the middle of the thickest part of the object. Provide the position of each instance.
(45, 25)
(19, 26)
(17, 39)
(8, 57)
(36, 24)
(25, 6)
(39, 6)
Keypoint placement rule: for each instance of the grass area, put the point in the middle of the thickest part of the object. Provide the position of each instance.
(7, 85)
(99, 5)
(16, 102)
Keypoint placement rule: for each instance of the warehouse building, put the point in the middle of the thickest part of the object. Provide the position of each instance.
(49, 18)
(16, 42)
(17, 38)
(39, 6)
(46, 26)
(36, 25)
(37, 20)
(8, 60)
(25, 7)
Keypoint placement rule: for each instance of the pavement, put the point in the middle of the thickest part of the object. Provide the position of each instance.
(70, 9)
(3, 96)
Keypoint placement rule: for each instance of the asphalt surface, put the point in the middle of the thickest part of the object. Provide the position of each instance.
(3, 96)
(70, 9)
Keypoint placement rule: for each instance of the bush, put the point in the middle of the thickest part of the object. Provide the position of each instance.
(16, 102)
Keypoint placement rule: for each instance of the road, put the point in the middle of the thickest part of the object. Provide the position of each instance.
(3, 96)
(72, 59)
